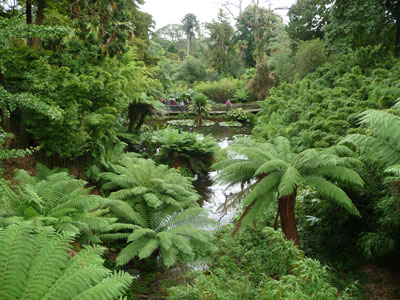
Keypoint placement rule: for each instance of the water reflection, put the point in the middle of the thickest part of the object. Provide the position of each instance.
(214, 196)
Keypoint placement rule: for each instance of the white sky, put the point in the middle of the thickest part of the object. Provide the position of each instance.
(172, 11)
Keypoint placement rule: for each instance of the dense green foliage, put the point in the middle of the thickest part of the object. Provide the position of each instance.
(36, 264)
(83, 86)
(220, 91)
(55, 199)
(260, 264)
(334, 95)
(184, 150)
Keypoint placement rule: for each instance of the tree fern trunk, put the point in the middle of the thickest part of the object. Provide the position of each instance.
(288, 221)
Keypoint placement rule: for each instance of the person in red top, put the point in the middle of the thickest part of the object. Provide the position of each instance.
(228, 105)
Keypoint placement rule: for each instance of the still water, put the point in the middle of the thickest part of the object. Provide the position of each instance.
(214, 195)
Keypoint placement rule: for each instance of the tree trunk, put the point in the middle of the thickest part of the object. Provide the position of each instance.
(397, 40)
(39, 20)
(28, 12)
(188, 46)
(288, 221)
(5, 118)
(131, 116)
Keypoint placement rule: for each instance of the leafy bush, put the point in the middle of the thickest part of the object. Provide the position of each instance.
(220, 91)
(192, 69)
(241, 115)
(106, 153)
(309, 56)
(241, 95)
(381, 146)
(260, 264)
(185, 149)
(37, 264)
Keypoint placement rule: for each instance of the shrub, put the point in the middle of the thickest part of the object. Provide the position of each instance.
(191, 70)
(220, 91)
(260, 264)
(309, 56)
(241, 115)
(185, 149)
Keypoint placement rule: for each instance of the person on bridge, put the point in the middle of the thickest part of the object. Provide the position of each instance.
(174, 107)
(228, 105)
(182, 105)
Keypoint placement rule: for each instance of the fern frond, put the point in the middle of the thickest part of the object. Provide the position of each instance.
(271, 166)
(342, 174)
(290, 180)
(150, 246)
(332, 192)
(38, 266)
(266, 186)
(283, 147)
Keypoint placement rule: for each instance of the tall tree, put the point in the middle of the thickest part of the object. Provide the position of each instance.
(256, 24)
(220, 43)
(307, 18)
(41, 5)
(393, 7)
(190, 24)
(364, 22)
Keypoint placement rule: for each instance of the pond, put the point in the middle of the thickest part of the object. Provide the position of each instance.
(214, 195)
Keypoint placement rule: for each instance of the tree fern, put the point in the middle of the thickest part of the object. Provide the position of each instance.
(35, 264)
(278, 173)
(57, 199)
(184, 149)
(141, 181)
(383, 145)
(160, 205)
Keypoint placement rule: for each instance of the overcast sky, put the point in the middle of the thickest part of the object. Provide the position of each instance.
(172, 11)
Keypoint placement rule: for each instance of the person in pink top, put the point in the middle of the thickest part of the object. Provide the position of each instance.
(228, 105)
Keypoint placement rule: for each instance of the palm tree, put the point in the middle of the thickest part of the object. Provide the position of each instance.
(200, 107)
(274, 172)
(37, 264)
(161, 206)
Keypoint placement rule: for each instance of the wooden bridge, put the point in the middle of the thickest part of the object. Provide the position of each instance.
(218, 109)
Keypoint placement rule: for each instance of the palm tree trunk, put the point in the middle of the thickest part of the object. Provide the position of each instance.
(288, 221)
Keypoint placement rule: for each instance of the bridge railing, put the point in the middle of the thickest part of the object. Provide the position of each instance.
(215, 108)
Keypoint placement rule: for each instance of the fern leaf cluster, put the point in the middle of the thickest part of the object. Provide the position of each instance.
(185, 149)
(382, 145)
(161, 207)
(35, 264)
(55, 199)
